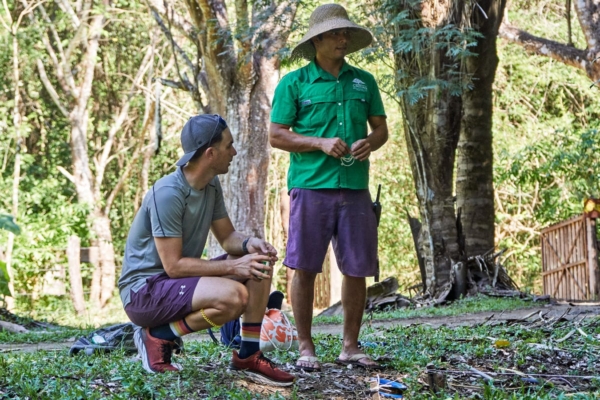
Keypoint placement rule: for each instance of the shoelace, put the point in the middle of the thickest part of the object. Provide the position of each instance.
(166, 349)
(263, 359)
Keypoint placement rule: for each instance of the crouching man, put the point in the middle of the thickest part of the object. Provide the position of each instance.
(165, 286)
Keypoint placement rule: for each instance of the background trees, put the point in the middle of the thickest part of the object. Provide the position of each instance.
(228, 62)
(83, 65)
(538, 103)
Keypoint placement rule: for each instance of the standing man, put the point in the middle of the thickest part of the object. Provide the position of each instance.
(328, 105)
(165, 286)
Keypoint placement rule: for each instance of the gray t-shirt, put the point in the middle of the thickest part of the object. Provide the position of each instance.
(171, 208)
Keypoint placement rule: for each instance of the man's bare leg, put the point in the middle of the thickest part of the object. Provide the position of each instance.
(354, 294)
(258, 296)
(303, 293)
(221, 299)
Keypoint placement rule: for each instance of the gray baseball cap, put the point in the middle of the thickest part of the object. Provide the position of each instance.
(199, 131)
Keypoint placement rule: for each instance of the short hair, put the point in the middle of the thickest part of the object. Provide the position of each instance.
(215, 140)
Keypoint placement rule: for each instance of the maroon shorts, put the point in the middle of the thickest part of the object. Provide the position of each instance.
(163, 300)
(342, 216)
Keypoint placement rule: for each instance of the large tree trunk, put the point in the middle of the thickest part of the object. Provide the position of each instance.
(248, 112)
(432, 127)
(474, 172)
(431, 135)
(443, 114)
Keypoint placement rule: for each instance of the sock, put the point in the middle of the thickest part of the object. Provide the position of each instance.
(250, 333)
(275, 300)
(171, 331)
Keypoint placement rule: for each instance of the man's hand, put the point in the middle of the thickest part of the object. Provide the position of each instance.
(335, 147)
(361, 149)
(253, 266)
(256, 245)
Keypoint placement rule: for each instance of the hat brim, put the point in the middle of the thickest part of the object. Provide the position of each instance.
(359, 38)
(185, 158)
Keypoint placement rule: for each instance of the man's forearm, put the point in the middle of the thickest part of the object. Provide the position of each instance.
(378, 137)
(233, 244)
(285, 139)
(188, 266)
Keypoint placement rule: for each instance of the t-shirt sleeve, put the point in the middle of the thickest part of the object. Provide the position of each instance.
(376, 104)
(284, 110)
(166, 212)
(220, 211)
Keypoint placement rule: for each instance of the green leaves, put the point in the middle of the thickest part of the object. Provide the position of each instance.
(8, 223)
(4, 279)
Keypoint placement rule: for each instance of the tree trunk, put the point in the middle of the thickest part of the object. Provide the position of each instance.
(74, 260)
(443, 112)
(10, 301)
(432, 144)
(106, 257)
(235, 74)
(474, 172)
(431, 128)
(248, 112)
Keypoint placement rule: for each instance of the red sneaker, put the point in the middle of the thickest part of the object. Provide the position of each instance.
(155, 353)
(261, 370)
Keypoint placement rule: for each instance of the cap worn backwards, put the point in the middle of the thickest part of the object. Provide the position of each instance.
(199, 131)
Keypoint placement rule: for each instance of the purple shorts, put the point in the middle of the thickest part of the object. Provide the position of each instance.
(344, 216)
(163, 300)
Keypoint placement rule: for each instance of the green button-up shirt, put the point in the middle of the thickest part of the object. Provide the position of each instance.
(315, 103)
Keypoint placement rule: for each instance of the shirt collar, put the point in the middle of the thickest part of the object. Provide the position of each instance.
(315, 72)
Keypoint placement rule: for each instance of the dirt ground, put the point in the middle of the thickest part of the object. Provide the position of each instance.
(550, 310)
(339, 382)
(568, 311)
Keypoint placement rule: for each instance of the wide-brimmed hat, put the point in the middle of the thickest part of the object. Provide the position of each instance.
(198, 132)
(326, 18)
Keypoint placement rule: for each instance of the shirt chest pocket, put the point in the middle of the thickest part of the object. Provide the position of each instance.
(317, 111)
(358, 107)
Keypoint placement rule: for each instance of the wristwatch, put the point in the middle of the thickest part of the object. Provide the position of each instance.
(245, 246)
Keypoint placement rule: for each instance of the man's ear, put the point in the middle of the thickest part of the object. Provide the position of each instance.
(209, 152)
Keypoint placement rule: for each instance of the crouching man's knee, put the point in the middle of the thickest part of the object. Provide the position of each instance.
(234, 301)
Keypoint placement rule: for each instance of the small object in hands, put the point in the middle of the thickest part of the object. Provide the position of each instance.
(264, 271)
(264, 263)
(347, 160)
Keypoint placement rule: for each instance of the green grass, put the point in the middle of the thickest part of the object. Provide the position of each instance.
(55, 375)
(408, 351)
(54, 335)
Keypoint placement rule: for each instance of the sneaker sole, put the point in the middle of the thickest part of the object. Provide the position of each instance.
(139, 343)
(263, 380)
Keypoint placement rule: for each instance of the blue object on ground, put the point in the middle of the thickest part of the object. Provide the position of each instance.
(371, 345)
(392, 386)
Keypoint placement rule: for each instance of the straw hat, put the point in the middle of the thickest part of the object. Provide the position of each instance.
(326, 18)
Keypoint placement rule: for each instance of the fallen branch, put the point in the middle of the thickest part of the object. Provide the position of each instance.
(481, 374)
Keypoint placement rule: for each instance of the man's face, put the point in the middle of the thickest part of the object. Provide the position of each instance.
(333, 44)
(224, 153)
